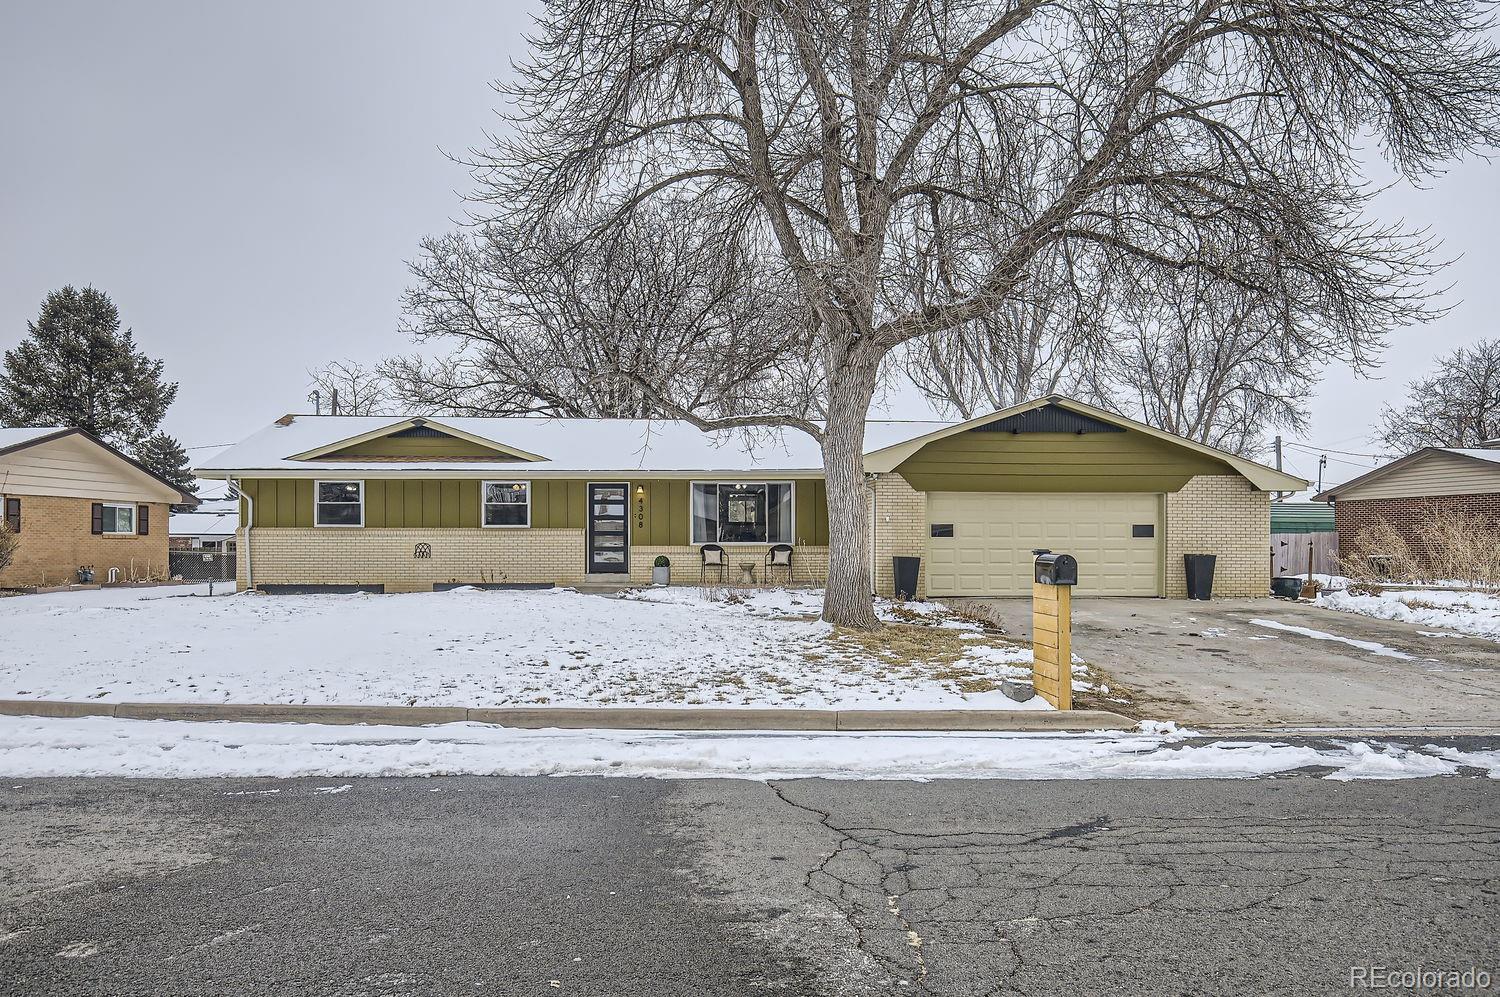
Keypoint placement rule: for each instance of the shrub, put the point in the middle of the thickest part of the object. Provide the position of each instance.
(661, 561)
(8, 545)
(1451, 546)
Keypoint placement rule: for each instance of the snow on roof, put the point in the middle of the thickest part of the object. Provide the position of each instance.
(202, 524)
(15, 437)
(567, 445)
(1491, 455)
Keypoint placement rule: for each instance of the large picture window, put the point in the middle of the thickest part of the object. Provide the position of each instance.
(339, 503)
(740, 512)
(507, 503)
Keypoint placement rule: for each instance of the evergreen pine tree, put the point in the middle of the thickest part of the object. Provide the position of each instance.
(164, 456)
(77, 369)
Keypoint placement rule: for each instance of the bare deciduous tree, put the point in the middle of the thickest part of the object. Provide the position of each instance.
(359, 390)
(906, 165)
(1458, 405)
(1213, 366)
(550, 321)
(1049, 339)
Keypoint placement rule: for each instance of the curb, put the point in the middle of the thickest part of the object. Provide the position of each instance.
(603, 718)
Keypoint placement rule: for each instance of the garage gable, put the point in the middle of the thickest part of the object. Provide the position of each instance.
(1043, 459)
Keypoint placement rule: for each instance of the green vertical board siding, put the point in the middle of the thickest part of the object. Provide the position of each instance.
(448, 503)
(577, 505)
(1056, 462)
(375, 504)
(282, 502)
(658, 518)
(468, 504)
(451, 516)
(412, 503)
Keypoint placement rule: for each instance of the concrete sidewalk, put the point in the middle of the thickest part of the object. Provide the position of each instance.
(612, 718)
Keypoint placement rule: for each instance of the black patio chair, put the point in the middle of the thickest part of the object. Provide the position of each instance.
(713, 557)
(779, 556)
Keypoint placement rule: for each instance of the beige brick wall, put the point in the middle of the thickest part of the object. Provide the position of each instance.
(386, 557)
(809, 564)
(55, 542)
(1225, 516)
(900, 514)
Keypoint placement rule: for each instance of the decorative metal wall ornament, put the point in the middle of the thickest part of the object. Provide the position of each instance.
(422, 552)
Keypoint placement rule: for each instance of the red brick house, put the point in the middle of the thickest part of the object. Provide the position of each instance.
(74, 501)
(1405, 492)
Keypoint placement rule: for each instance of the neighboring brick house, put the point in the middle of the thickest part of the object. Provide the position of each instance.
(75, 502)
(1405, 492)
(397, 504)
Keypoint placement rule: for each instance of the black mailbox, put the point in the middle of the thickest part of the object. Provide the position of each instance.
(1056, 569)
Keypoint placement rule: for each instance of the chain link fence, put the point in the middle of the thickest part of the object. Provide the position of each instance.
(202, 565)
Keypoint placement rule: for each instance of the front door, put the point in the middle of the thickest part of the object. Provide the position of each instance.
(609, 541)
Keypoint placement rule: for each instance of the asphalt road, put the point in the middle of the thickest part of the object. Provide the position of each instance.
(638, 887)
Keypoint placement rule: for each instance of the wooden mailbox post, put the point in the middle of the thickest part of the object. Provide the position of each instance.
(1052, 627)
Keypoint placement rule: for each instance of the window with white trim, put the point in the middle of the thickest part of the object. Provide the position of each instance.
(507, 503)
(731, 512)
(118, 519)
(339, 503)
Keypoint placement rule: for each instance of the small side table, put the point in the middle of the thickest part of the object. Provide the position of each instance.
(747, 572)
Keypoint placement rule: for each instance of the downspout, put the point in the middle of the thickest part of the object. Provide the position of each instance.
(874, 519)
(249, 522)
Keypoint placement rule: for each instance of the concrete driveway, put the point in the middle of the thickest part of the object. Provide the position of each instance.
(1209, 664)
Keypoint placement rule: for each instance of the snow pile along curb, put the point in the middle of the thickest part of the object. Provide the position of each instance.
(170, 749)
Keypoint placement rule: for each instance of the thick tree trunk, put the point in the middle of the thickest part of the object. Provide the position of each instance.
(847, 601)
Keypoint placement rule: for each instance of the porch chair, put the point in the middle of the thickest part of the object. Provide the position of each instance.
(713, 557)
(779, 556)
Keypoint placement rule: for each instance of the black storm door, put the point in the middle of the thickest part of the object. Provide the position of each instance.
(609, 543)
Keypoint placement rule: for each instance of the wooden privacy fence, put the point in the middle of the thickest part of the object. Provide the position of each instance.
(1289, 553)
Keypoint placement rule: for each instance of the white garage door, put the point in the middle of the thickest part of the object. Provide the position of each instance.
(1116, 538)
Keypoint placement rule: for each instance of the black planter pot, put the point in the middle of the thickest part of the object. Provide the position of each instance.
(905, 569)
(1200, 575)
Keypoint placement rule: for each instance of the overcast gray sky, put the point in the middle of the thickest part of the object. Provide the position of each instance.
(246, 181)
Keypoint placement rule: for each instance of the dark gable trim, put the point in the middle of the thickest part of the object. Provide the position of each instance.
(1048, 419)
(187, 498)
(419, 430)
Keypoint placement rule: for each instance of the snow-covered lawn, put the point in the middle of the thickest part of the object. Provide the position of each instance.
(98, 746)
(1448, 611)
(661, 647)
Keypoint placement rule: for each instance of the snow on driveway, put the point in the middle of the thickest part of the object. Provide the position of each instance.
(663, 647)
(100, 746)
(1458, 612)
(1374, 647)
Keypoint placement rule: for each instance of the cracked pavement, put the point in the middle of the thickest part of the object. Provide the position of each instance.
(705, 887)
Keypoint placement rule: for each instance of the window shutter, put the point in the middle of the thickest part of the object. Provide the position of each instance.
(97, 522)
(143, 519)
(13, 514)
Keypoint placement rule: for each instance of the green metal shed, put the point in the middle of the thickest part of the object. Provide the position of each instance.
(1301, 517)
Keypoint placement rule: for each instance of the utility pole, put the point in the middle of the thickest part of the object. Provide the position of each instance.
(1278, 460)
(317, 399)
(334, 407)
(1322, 463)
